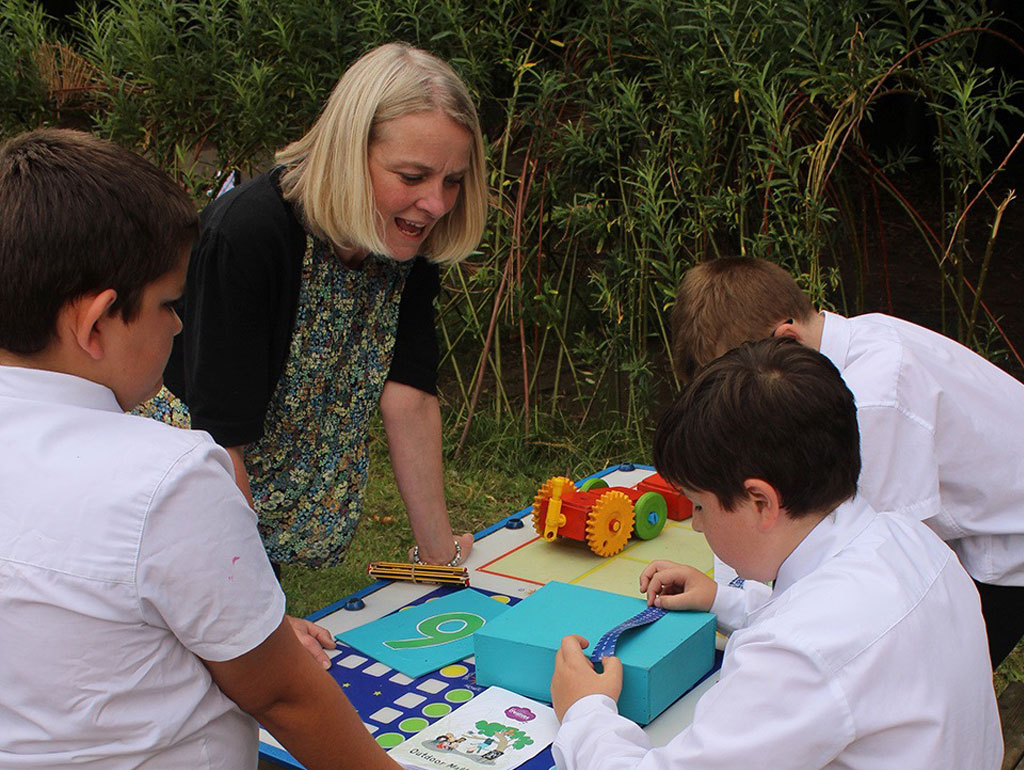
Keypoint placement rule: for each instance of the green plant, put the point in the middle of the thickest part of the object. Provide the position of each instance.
(23, 97)
(627, 140)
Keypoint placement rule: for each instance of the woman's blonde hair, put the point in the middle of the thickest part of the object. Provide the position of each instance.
(327, 171)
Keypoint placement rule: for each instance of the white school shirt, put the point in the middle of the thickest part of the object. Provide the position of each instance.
(870, 655)
(942, 437)
(126, 551)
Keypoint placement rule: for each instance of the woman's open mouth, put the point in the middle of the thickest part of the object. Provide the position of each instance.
(409, 228)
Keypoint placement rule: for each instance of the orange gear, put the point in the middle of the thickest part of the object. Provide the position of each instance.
(609, 523)
(544, 494)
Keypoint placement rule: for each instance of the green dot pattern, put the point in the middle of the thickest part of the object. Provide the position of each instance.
(458, 696)
(412, 725)
(436, 710)
(389, 740)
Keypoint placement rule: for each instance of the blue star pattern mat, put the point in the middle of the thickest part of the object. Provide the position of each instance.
(394, 706)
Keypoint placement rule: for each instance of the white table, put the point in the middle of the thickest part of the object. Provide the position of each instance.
(495, 543)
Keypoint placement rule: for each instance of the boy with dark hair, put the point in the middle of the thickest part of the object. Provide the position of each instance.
(942, 429)
(140, 615)
(870, 653)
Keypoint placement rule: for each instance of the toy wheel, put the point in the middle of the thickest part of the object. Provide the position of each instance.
(651, 512)
(594, 483)
(609, 523)
(543, 495)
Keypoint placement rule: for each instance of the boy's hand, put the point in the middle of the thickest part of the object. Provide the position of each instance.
(674, 586)
(314, 638)
(575, 676)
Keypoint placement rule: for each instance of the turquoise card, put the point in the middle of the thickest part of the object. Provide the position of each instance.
(425, 637)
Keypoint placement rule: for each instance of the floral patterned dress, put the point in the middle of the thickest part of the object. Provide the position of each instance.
(308, 471)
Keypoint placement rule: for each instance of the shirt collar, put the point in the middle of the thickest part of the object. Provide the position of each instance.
(56, 387)
(835, 339)
(823, 542)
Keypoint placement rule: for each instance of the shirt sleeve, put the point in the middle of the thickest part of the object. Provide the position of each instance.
(733, 604)
(417, 354)
(203, 573)
(238, 314)
(775, 707)
(900, 467)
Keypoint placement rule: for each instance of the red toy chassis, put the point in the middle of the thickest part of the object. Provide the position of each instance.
(604, 517)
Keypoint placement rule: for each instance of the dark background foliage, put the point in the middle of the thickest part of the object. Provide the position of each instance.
(870, 146)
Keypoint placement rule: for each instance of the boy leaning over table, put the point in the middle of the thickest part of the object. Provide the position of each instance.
(142, 625)
(870, 653)
(941, 428)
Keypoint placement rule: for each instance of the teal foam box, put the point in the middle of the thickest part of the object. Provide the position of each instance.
(660, 661)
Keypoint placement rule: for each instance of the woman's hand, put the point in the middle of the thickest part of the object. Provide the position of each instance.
(674, 586)
(575, 677)
(440, 556)
(466, 542)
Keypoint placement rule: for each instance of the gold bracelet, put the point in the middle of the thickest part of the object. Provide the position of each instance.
(454, 562)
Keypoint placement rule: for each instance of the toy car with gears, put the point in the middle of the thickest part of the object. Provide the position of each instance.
(604, 517)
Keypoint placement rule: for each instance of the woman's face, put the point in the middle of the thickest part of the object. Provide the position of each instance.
(417, 163)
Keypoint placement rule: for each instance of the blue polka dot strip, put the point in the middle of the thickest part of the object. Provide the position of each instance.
(605, 646)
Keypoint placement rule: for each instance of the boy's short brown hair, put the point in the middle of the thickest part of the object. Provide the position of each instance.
(773, 410)
(77, 215)
(726, 302)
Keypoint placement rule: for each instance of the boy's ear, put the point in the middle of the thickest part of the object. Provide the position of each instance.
(806, 332)
(787, 328)
(765, 499)
(84, 318)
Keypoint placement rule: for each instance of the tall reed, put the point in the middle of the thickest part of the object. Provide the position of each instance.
(628, 140)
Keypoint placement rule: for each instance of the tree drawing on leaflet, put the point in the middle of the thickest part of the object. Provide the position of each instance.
(488, 741)
(496, 730)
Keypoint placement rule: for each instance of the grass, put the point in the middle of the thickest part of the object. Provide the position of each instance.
(1012, 669)
(497, 475)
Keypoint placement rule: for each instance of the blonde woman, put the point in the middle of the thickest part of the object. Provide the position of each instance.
(310, 300)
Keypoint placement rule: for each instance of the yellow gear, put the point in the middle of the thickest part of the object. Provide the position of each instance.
(543, 494)
(609, 523)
